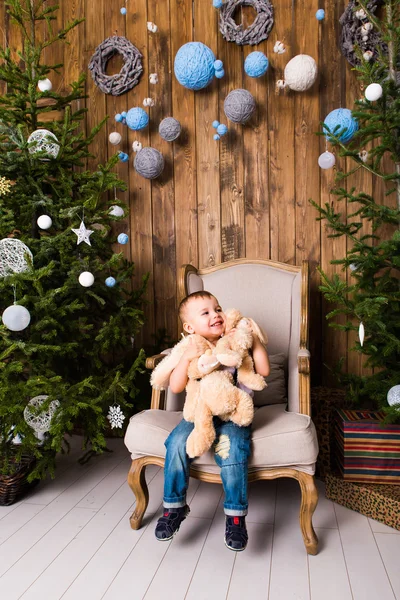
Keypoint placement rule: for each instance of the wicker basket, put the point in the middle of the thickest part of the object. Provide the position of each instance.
(13, 486)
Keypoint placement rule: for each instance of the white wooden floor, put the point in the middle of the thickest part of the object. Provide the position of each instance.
(71, 539)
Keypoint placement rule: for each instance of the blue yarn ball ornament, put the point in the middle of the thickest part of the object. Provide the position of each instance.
(218, 65)
(256, 64)
(216, 137)
(123, 11)
(123, 238)
(137, 118)
(217, 3)
(194, 65)
(220, 74)
(222, 129)
(119, 118)
(320, 14)
(123, 157)
(110, 282)
(340, 118)
(215, 124)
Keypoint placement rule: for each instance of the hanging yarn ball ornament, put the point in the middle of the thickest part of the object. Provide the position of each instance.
(116, 211)
(137, 118)
(373, 92)
(123, 238)
(215, 124)
(341, 123)
(393, 395)
(149, 163)
(43, 140)
(256, 64)
(222, 129)
(320, 14)
(136, 146)
(355, 37)
(216, 137)
(110, 282)
(14, 256)
(153, 78)
(239, 105)
(326, 160)
(86, 279)
(16, 317)
(44, 222)
(45, 85)
(115, 138)
(40, 421)
(122, 10)
(256, 32)
(123, 156)
(130, 73)
(301, 72)
(169, 129)
(194, 65)
(217, 3)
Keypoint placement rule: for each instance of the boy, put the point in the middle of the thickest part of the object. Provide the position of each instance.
(200, 313)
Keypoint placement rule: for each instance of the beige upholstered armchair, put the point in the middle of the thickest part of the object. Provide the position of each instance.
(284, 442)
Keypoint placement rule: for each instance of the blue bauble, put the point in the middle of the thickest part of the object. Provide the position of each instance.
(194, 65)
(320, 14)
(256, 64)
(217, 3)
(218, 65)
(216, 137)
(118, 118)
(215, 124)
(222, 129)
(123, 238)
(220, 74)
(137, 118)
(123, 11)
(110, 282)
(123, 157)
(343, 118)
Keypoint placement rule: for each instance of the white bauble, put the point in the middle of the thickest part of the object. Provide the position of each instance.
(86, 279)
(115, 138)
(45, 141)
(301, 72)
(45, 85)
(13, 256)
(393, 396)
(373, 92)
(326, 160)
(40, 422)
(116, 211)
(16, 317)
(44, 222)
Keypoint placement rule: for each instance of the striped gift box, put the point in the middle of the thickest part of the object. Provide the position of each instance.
(366, 450)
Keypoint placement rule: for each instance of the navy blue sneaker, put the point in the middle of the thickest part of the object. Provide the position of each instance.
(236, 533)
(168, 525)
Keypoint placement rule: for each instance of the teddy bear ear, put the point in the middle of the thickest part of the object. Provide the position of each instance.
(259, 332)
(233, 316)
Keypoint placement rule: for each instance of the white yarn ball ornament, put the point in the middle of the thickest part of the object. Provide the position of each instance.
(115, 138)
(13, 255)
(43, 140)
(45, 85)
(373, 92)
(326, 160)
(136, 146)
(16, 317)
(44, 222)
(86, 279)
(301, 72)
(40, 422)
(393, 396)
(116, 211)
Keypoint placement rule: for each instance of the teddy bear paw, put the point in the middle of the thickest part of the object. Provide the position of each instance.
(230, 360)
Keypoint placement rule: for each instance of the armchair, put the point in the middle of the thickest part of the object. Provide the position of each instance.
(284, 441)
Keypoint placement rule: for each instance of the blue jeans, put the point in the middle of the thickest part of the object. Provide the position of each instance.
(231, 452)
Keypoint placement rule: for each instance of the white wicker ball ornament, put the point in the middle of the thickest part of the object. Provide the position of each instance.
(16, 317)
(116, 211)
(326, 160)
(45, 85)
(115, 138)
(86, 279)
(393, 396)
(301, 72)
(43, 140)
(373, 92)
(44, 222)
(13, 256)
(40, 421)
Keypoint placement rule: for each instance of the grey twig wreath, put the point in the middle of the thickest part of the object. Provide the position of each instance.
(352, 35)
(256, 32)
(130, 73)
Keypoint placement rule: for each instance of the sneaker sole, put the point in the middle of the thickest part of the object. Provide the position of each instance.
(235, 549)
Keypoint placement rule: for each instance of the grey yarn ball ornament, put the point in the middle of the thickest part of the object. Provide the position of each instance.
(352, 36)
(130, 73)
(239, 105)
(169, 129)
(256, 32)
(149, 163)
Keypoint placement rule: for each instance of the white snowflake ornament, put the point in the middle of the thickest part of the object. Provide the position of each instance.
(116, 417)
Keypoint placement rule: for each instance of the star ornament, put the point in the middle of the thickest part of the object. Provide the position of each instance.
(83, 234)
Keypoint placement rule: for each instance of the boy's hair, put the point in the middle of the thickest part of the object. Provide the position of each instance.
(192, 296)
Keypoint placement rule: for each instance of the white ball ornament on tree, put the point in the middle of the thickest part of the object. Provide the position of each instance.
(116, 211)
(326, 160)
(43, 140)
(45, 85)
(115, 138)
(86, 279)
(393, 396)
(373, 92)
(44, 222)
(14, 256)
(16, 317)
(301, 72)
(40, 421)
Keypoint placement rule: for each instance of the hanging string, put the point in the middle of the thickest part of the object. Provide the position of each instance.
(115, 193)
(15, 293)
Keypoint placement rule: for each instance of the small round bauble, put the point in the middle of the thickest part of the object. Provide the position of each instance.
(217, 3)
(239, 105)
(393, 396)
(169, 129)
(220, 74)
(326, 160)
(137, 118)
(16, 317)
(216, 137)
(119, 118)
(123, 238)
(110, 282)
(13, 256)
(256, 64)
(301, 72)
(122, 10)
(43, 140)
(215, 124)
(222, 129)
(116, 211)
(45, 85)
(86, 279)
(40, 422)
(123, 156)
(320, 14)
(44, 222)
(115, 138)
(343, 121)
(194, 65)
(373, 92)
(149, 163)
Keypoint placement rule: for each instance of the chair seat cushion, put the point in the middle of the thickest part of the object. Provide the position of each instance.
(279, 439)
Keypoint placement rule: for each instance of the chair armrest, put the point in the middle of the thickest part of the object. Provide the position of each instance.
(152, 361)
(157, 396)
(303, 364)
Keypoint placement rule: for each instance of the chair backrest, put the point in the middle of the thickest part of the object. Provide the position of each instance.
(274, 294)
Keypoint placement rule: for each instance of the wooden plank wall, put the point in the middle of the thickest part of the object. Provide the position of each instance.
(245, 196)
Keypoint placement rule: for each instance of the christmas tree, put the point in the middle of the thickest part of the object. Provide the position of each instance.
(74, 363)
(370, 299)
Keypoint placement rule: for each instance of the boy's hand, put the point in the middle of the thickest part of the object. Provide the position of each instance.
(194, 350)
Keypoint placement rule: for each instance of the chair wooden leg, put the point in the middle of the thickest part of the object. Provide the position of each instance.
(309, 500)
(137, 483)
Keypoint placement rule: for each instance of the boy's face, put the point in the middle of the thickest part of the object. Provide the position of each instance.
(204, 316)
